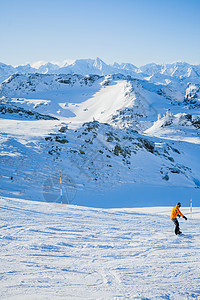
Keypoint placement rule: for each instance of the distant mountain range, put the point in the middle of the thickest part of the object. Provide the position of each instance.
(96, 66)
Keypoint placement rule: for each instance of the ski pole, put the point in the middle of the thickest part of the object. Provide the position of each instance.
(60, 187)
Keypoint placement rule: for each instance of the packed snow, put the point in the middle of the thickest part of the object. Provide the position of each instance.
(54, 251)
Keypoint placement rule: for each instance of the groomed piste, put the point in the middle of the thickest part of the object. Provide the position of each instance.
(53, 251)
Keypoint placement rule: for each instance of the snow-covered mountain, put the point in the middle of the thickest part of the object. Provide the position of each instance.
(117, 134)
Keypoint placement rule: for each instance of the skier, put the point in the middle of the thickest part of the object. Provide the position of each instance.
(176, 213)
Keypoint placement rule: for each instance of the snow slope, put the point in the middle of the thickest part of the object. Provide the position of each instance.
(49, 251)
(182, 127)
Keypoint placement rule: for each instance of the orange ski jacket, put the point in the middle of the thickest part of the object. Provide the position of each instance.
(175, 212)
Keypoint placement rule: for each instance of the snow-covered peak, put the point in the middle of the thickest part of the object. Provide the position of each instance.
(126, 66)
(25, 69)
(48, 68)
(66, 62)
(6, 69)
(38, 64)
(87, 66)
(151, 69)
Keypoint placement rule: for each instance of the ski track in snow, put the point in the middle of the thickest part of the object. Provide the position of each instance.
(49, 251)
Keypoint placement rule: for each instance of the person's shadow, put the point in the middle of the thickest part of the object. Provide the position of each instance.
(186, 236)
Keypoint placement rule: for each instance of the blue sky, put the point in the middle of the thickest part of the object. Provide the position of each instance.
(135, 31)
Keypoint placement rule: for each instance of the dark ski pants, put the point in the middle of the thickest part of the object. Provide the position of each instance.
(177, 228)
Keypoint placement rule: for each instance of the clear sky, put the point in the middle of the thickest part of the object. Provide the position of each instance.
(135, 31)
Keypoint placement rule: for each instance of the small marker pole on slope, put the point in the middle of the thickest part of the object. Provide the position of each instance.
(60, 188)
(191, 207)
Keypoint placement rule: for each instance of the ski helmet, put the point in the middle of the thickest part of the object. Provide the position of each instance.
(178, 204)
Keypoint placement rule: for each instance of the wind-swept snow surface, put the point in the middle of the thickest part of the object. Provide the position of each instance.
(68, 252)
